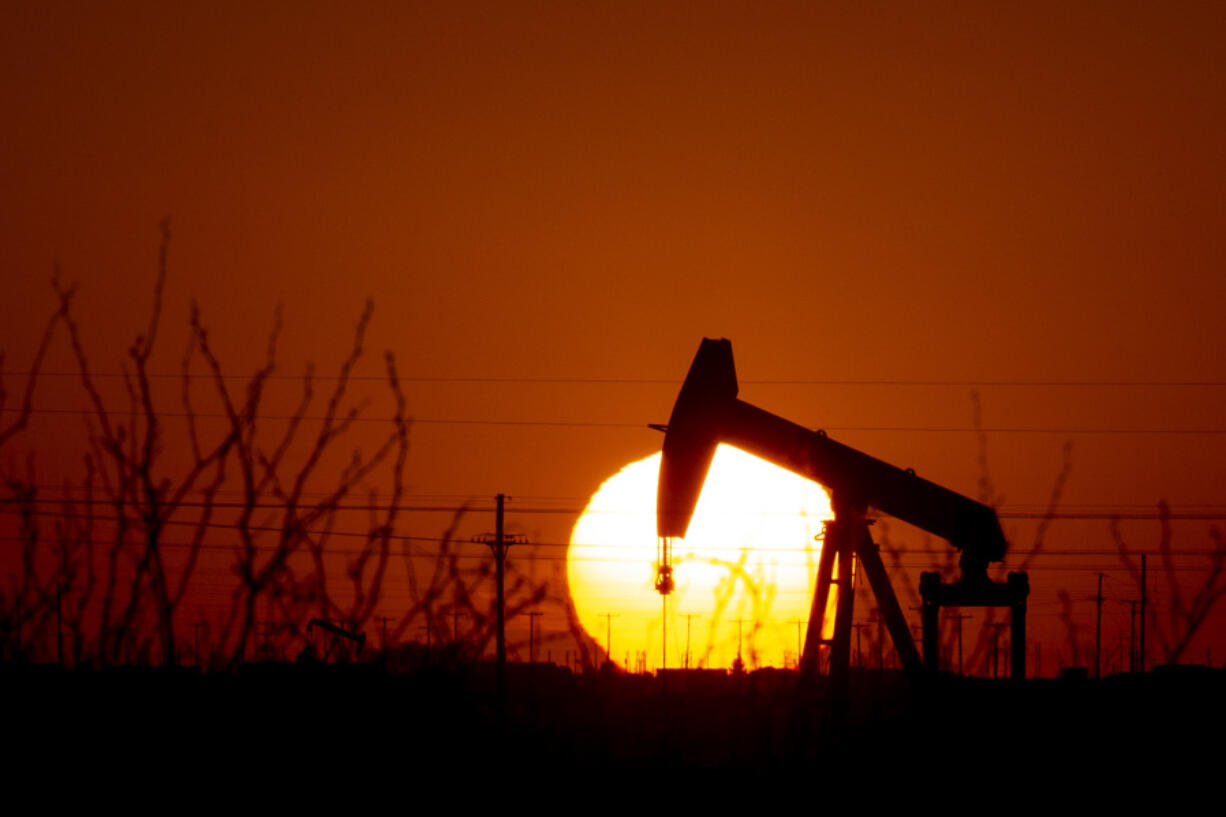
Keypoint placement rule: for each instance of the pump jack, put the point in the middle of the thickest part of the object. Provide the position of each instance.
(707, 412)
(338, 632)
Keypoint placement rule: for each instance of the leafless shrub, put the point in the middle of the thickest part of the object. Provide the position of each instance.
(1070, 627)
(270, 477)
(106, 568)
(96, 561)
(1184, 616)
(126, 447)
(25, 601)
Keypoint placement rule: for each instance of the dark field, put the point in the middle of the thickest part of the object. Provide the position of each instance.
(283, 719)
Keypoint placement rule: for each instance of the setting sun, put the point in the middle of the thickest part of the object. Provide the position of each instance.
(745, 571)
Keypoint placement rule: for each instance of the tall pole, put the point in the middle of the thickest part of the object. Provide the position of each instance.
(859, 657)
(959, 617)
(689, 620)
(608, 638)
(877, 619)
(1141, 655)
(1132, 636)
(738, 663)
(995, 651)
(997, 626)
(19, 620)
(500, 554)
(532, 617)
(59, 632)
(498, 543)
(1098, 631)
(383, 621)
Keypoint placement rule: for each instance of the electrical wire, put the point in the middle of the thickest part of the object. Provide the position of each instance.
(892, 429)
(649, 381)
(1096, 515)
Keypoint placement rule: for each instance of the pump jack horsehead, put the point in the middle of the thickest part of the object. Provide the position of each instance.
(707, 412)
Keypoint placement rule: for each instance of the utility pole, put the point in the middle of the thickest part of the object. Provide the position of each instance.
(608, 638)
(532, 617)
(1098, 631)
(19, 596)
(689, 620)
(498, 544)
(1144, 597)
(997, 626)
(59, 632)
(1132, 633)
(739, 664)
(383, 622)
(196, 647)
(959, 617)
(917, 631)
(875, 618)
(859, 658)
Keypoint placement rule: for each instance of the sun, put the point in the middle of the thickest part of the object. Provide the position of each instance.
(744, 573)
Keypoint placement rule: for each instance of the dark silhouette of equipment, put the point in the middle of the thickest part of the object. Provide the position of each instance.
(707, 413)
(337, 633)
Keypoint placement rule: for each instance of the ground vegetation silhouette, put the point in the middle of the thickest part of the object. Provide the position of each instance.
(103, 567)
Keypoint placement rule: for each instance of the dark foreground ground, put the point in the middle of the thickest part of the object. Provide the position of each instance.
(347, 724)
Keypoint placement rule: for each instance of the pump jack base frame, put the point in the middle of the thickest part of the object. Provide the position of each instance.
(1012, 594)
(847, 539)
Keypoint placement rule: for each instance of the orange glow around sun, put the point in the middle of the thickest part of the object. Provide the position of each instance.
(748, 564)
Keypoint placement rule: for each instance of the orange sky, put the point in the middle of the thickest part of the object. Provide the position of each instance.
(562, 190)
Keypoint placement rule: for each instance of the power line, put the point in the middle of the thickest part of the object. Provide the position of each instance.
(202, 415)
(564, 557)
(1014, 510)
(893, 382)
(1124, 516)
(644, 426)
